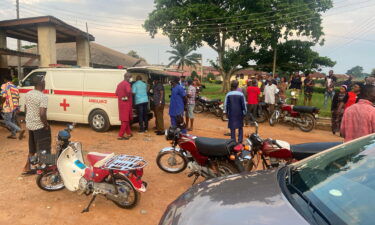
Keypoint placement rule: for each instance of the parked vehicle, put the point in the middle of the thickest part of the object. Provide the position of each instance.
(202, 104)
(333, 187)
(262, 113)
(206, 157)
(117, 177)
(273, 153)
(301, 116)
(80, 95)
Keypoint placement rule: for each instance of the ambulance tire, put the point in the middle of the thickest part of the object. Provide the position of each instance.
(99, 121)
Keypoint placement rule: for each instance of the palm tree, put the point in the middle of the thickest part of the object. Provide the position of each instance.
(181, 56)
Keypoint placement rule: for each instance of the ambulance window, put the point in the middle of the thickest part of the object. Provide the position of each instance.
(30, 80)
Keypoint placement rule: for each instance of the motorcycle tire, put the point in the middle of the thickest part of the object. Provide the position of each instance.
(248, 165)
(124, 183)
(46, 174)
(226, 168)
(224, 117)
(219, 112)
(310, 120)
(198, 108)
(273, 120)
(262, 117)
(171, 161)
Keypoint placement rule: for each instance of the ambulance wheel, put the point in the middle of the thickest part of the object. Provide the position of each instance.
(99, 121)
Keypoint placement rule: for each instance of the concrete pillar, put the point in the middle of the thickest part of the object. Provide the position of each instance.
(3, 44)
(47, 45)
(83, 52)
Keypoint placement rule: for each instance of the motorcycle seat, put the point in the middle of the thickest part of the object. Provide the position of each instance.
(214, 146)
(302, 151)
(305, 109)
(97, 159)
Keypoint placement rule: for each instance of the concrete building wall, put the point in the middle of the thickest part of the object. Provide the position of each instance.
(47, 45)
(83, 52)
(3, 44)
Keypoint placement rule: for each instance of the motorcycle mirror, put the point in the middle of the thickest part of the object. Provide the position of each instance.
(256, 127)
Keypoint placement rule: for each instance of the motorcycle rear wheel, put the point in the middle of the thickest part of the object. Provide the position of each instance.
(273, 119)
(262, 116)
(224, 117)
(309, 123)
(219, 112)
(175, 158)
(225, 168)
(55, 185)
(124, 185)
(198, 108)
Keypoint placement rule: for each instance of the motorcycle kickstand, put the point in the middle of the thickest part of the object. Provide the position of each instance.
(87, 209)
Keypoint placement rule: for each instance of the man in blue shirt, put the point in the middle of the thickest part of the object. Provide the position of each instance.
(139, 89)
(176, 107)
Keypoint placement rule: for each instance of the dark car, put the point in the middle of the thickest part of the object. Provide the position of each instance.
(333, 187)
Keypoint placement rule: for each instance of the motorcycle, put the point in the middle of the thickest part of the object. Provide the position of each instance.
(273, 153)
(203, 104)
(302, 116)
(117, 177)
(206, 157)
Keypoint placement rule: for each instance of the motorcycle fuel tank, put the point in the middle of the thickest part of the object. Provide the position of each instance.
(274, 151)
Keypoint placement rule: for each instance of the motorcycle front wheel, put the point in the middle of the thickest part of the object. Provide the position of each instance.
(198, 108)
(308, 122)
(171, 162)
(127, 196)
(224, 117)
(50, 181)
(274, 118)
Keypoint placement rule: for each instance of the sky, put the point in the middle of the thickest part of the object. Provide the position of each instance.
(349, 28)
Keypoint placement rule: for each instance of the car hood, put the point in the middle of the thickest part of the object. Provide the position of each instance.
(252, 198)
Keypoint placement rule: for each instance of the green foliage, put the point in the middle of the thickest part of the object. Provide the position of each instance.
(28, 46)
(357, 72)
(194, 74)
(133, 54)
(323, 89)
(294, 55)
(183, 56)
(210, 76)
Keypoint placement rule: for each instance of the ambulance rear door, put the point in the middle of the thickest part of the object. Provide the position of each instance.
(66, 94)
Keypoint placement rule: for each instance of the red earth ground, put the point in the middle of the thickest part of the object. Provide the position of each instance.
(22, 202)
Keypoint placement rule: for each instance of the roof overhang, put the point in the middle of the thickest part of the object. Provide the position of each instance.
(27, 29)
(6, 51)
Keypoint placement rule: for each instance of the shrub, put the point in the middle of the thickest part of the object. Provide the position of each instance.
(218, 82)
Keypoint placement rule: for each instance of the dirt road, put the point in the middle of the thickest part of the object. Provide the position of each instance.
(22, 202)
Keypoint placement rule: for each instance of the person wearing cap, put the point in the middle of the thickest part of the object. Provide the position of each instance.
(337, 108)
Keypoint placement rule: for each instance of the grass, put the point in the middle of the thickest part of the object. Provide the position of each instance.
(213, 91)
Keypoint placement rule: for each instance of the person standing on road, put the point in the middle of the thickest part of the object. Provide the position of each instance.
(270, 91)
(125, 107)
(159, 103)
(253, 93)
(235, 108)
(337, 108)
(139, 89)
(308, 89)
(191, 95)
(359, 119)
(183, 82)
(10, 97)
(283, 86)
(36, 122)
(176, 106)
(330, 82)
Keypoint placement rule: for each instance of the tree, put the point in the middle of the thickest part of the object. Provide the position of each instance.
(293, 55)
(248, 23)
(28, 46)
(182, 56)
(194, 74)
(134, 54)
(356, 71)
(373, 72)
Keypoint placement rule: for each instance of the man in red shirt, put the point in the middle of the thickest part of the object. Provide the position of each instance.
(359, 119)
(253, 93)
(352, 95)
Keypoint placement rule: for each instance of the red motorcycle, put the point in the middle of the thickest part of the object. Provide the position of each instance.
(302, 116)
(206, 157)
(273, 153)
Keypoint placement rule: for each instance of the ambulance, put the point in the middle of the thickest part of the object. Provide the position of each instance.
(79, 95)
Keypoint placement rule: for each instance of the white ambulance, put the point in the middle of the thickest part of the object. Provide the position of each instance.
(80, 95)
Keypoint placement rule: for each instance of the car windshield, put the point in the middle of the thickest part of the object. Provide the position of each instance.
(341, 182)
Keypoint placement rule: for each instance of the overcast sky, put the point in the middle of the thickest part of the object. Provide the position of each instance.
(349, 28)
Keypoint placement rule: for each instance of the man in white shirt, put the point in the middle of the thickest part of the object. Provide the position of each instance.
(270, 91)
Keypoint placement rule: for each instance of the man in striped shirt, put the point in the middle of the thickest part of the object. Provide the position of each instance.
(10, 104)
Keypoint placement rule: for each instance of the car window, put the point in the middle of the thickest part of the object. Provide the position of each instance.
(341, 181)
(30, 80)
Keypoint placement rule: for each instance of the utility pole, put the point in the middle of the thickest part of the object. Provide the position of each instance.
(18, 43)
(201, 67)
(88, 40)
(274, 60)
